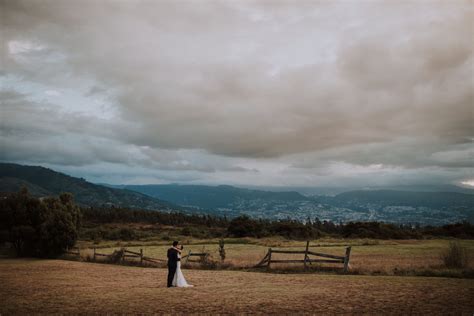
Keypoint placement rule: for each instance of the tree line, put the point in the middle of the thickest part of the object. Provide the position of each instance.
(46, 227)
(200, 225)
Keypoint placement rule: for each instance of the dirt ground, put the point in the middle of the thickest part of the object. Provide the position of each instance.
(56, 286)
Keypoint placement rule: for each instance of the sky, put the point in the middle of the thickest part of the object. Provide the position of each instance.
(262, 93)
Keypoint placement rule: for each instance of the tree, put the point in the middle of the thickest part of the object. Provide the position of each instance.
(37, 227)
(243, 226)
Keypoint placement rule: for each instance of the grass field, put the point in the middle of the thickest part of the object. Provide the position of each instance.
(368, 256)
(57, 286)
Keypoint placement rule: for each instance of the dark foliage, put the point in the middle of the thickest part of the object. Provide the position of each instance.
(125, 215)
(206, 226)
(35, 227)
(46, 227)
(378, 230)
(244, 226)
(463, 230)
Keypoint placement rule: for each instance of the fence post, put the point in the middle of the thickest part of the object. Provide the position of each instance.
(141, 255)
(94, 254)
(78, 252)
(221, 250)
(269, 257)
(306, 254)
(346, 259)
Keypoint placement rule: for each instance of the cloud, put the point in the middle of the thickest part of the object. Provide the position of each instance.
(52, 93)
(221, 87)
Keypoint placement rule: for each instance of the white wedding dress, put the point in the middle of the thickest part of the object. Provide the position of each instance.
(179, 280)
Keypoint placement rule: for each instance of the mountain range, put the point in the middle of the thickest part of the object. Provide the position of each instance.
(427, 207)
(424, 206)
(211, 197)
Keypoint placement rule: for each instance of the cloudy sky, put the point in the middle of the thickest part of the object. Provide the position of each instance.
(280, 93)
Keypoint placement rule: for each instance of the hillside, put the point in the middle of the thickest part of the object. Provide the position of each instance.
(427, 208)
(427, 188)
(212, 197)
(434, 208)
(42, 181)
(405, 198)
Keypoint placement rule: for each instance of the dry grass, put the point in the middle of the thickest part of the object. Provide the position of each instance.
(456, 256)
(55, 286)
(368, 256)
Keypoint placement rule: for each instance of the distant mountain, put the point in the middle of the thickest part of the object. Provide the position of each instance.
(42, 181)
(406, 198)
(435, 208)
(395, 206)
(212, 197)
(431, 207)
(422, 188)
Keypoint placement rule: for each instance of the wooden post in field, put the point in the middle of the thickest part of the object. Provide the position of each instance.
(346, 259)
(269, 257)
(306, 254)
(141, 255)
(78, 252)
(94, 254)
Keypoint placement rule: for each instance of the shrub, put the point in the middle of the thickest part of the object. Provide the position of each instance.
(186, 231)
(455, 256)
(116, 256)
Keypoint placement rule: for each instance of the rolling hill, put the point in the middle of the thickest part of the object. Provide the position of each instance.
(42, 181)
(433, 208)
(406, 198)
(225, 196)
(212, 197)
(427, 207)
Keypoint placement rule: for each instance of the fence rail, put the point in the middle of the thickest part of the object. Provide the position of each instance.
(203, 257)
(268, 260)
(123, 254)
(72, 252)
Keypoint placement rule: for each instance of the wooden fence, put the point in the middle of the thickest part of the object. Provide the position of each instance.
(123, 254)
(328, 258)
(203, 257)
(75, 251)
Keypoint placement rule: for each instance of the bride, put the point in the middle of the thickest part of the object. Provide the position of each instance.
(179, 280)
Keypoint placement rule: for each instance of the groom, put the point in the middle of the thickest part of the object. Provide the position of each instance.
(172, 262)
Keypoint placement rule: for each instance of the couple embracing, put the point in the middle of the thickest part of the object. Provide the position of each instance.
(175, 276)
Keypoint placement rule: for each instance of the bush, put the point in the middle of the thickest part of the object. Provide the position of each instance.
(455, 256)
(127, 234)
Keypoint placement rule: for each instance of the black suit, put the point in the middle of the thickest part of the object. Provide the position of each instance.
(172, 264)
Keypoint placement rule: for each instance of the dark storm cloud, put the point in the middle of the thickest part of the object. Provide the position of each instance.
(303, 85)
(40, 133)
